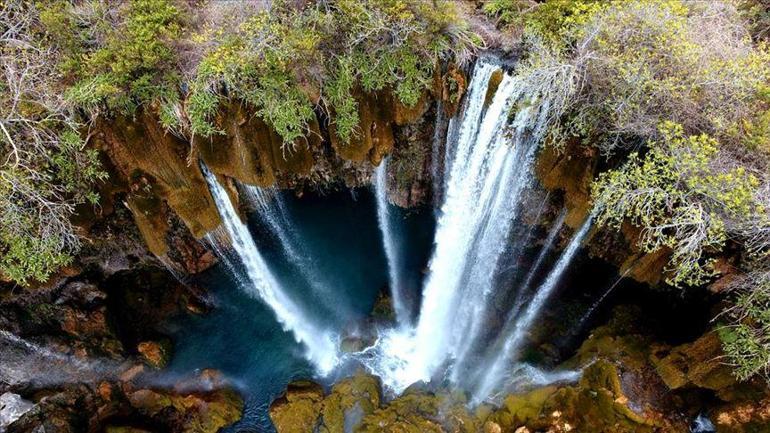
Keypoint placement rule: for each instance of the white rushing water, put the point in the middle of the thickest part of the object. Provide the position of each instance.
(25, 361)
(260, 282)
(487, 169)
(488, 166)
(391, 246)
(271, 210)
(547, 246)
(494, 373)
(12, 407)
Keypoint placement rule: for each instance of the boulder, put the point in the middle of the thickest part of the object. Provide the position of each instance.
(156, 354)
(298, 410)
(349, 402)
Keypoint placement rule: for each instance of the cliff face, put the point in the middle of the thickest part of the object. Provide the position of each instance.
(164, 185)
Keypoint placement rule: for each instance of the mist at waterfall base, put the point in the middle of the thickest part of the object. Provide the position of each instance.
(241, 336)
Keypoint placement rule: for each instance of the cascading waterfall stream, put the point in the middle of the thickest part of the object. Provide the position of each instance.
(272, 210)
(25, 361)
(261, 283)
(391, 246)
(547, 245)
(489, 165)
(472, 191)
(494, 371)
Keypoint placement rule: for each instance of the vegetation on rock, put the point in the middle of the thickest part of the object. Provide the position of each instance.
(677, 92)
(67, 63)
(45, 172)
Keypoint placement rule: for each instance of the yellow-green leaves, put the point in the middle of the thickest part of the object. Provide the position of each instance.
(282, 59)
(681, 197)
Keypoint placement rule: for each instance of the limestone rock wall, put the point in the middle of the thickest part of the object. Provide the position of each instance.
(163, 184)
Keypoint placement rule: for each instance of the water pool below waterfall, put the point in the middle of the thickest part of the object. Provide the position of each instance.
(241, 337)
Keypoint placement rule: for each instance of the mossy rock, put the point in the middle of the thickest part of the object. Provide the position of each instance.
(374, 135)
(141, 144)
(349, 402)
(193, 413)
(494, 83)
(156, 354)
(298, 410)
(695, 365)
(421, 412)
(251, 151)
(596, 404)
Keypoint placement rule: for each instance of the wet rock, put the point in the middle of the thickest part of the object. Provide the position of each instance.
(353, 344)
(156, 354)
(418, 412)
(404, 114)
(349, 402)
(493, 427)
(409, 180)
(375, 130)
(189, 413)
(494, 83)
(251, 151)
(597, 403)
(743, 417)
(298, 410)
(453, 86)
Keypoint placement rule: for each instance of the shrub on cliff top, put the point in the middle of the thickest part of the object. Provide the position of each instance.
(282, 59)
(44, 169)
(117, 56)
(683, 198)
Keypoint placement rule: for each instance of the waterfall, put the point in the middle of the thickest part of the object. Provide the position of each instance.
(12, 407)
(272, 211)
(701, 424)
(391, 245)
(599, 301)
(488, 166)
(262, 284)
(481, 158)
(515, 338)
(547, 246)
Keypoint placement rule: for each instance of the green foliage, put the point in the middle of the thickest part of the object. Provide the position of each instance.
(681, 198)
(745, 339)
(507, 12)
(29, 257)
(557, 22)
(37, 199)
(45, 172)
(282, 59)
(561, 22)
(757, 12)
(648, 61)
(125, 62)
